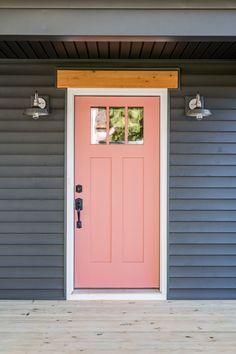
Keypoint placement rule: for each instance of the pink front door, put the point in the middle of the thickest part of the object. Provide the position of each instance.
(117, 163)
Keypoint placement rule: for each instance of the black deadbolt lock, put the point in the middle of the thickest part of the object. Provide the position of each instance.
(79, 188)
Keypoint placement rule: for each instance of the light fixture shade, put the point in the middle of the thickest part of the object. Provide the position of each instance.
(39, 106)
(198, 112)
(36, 112)
(194, 107)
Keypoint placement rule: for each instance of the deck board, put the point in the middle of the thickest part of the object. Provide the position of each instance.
(117, 327)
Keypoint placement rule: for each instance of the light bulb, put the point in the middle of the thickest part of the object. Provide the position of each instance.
(199, 116)
(36, 115)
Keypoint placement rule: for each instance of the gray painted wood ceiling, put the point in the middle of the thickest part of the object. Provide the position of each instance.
(116, 50)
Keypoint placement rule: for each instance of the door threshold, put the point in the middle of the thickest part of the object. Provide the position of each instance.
(117, 294)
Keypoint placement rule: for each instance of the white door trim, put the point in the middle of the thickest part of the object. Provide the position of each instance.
(71, 293)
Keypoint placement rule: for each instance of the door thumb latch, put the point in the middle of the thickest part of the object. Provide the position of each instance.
(79, 207)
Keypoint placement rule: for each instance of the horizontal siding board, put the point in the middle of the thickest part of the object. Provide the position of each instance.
(31, 216)
(203, 148)
(31, 294)
(202, 193)
(32, 126)
(35, 149)
(33, 194)
(203, 126)
(203, 226)
(31, 137)
(27, 91)
(31, 182)
(202, 249)
(32, 68)
(202, 272)
(202, 204)
(203, 238)
(33, 273)
(31, 204)
(201, 160)
(31, 261)
(203, 137)
(203, 182)
(39, 283)
(203, 283)
(203, 170)
(31, 160)
(203, 261)
(209, 92)
(32, 171)
(31, 239)
(203, 294)
(32, 227)
(199, 215)
(31, 250)
(203, 77)
(22, 80)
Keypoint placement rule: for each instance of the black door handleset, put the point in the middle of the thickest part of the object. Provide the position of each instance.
(79, 205)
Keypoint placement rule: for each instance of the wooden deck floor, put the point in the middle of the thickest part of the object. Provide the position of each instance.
(176, 327)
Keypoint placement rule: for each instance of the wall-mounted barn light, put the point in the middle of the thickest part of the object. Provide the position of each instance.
(194, 107)
(39, 106)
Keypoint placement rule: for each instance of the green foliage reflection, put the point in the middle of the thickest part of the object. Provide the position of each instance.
(117, 124)
(135, 124)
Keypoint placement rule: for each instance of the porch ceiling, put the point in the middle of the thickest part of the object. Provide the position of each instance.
(117, 50)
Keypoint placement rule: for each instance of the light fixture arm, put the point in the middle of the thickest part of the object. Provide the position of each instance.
(36, 99)
(198, 101)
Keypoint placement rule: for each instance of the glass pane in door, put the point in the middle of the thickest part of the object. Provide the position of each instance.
(98, 125)
(135, 125)
(117, 125)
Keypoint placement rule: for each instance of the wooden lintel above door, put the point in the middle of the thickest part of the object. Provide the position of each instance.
(118, 78)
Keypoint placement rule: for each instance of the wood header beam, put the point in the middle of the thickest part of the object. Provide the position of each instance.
(118, 78)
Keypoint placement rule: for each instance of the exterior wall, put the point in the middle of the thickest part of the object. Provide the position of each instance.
(31, 186)
(202, 229)
(202, 244)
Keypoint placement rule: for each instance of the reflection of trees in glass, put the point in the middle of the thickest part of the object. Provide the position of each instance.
(135, 124)
(117, 124)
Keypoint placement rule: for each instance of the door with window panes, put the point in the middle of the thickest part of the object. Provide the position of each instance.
(117, 165)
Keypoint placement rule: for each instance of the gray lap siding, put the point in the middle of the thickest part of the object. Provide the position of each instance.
(202, 184)
(202, 187)
(31, 186)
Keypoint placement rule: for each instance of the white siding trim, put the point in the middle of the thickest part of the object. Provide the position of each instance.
(71, 293)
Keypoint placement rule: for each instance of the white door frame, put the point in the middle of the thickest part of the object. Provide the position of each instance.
(71, 293)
